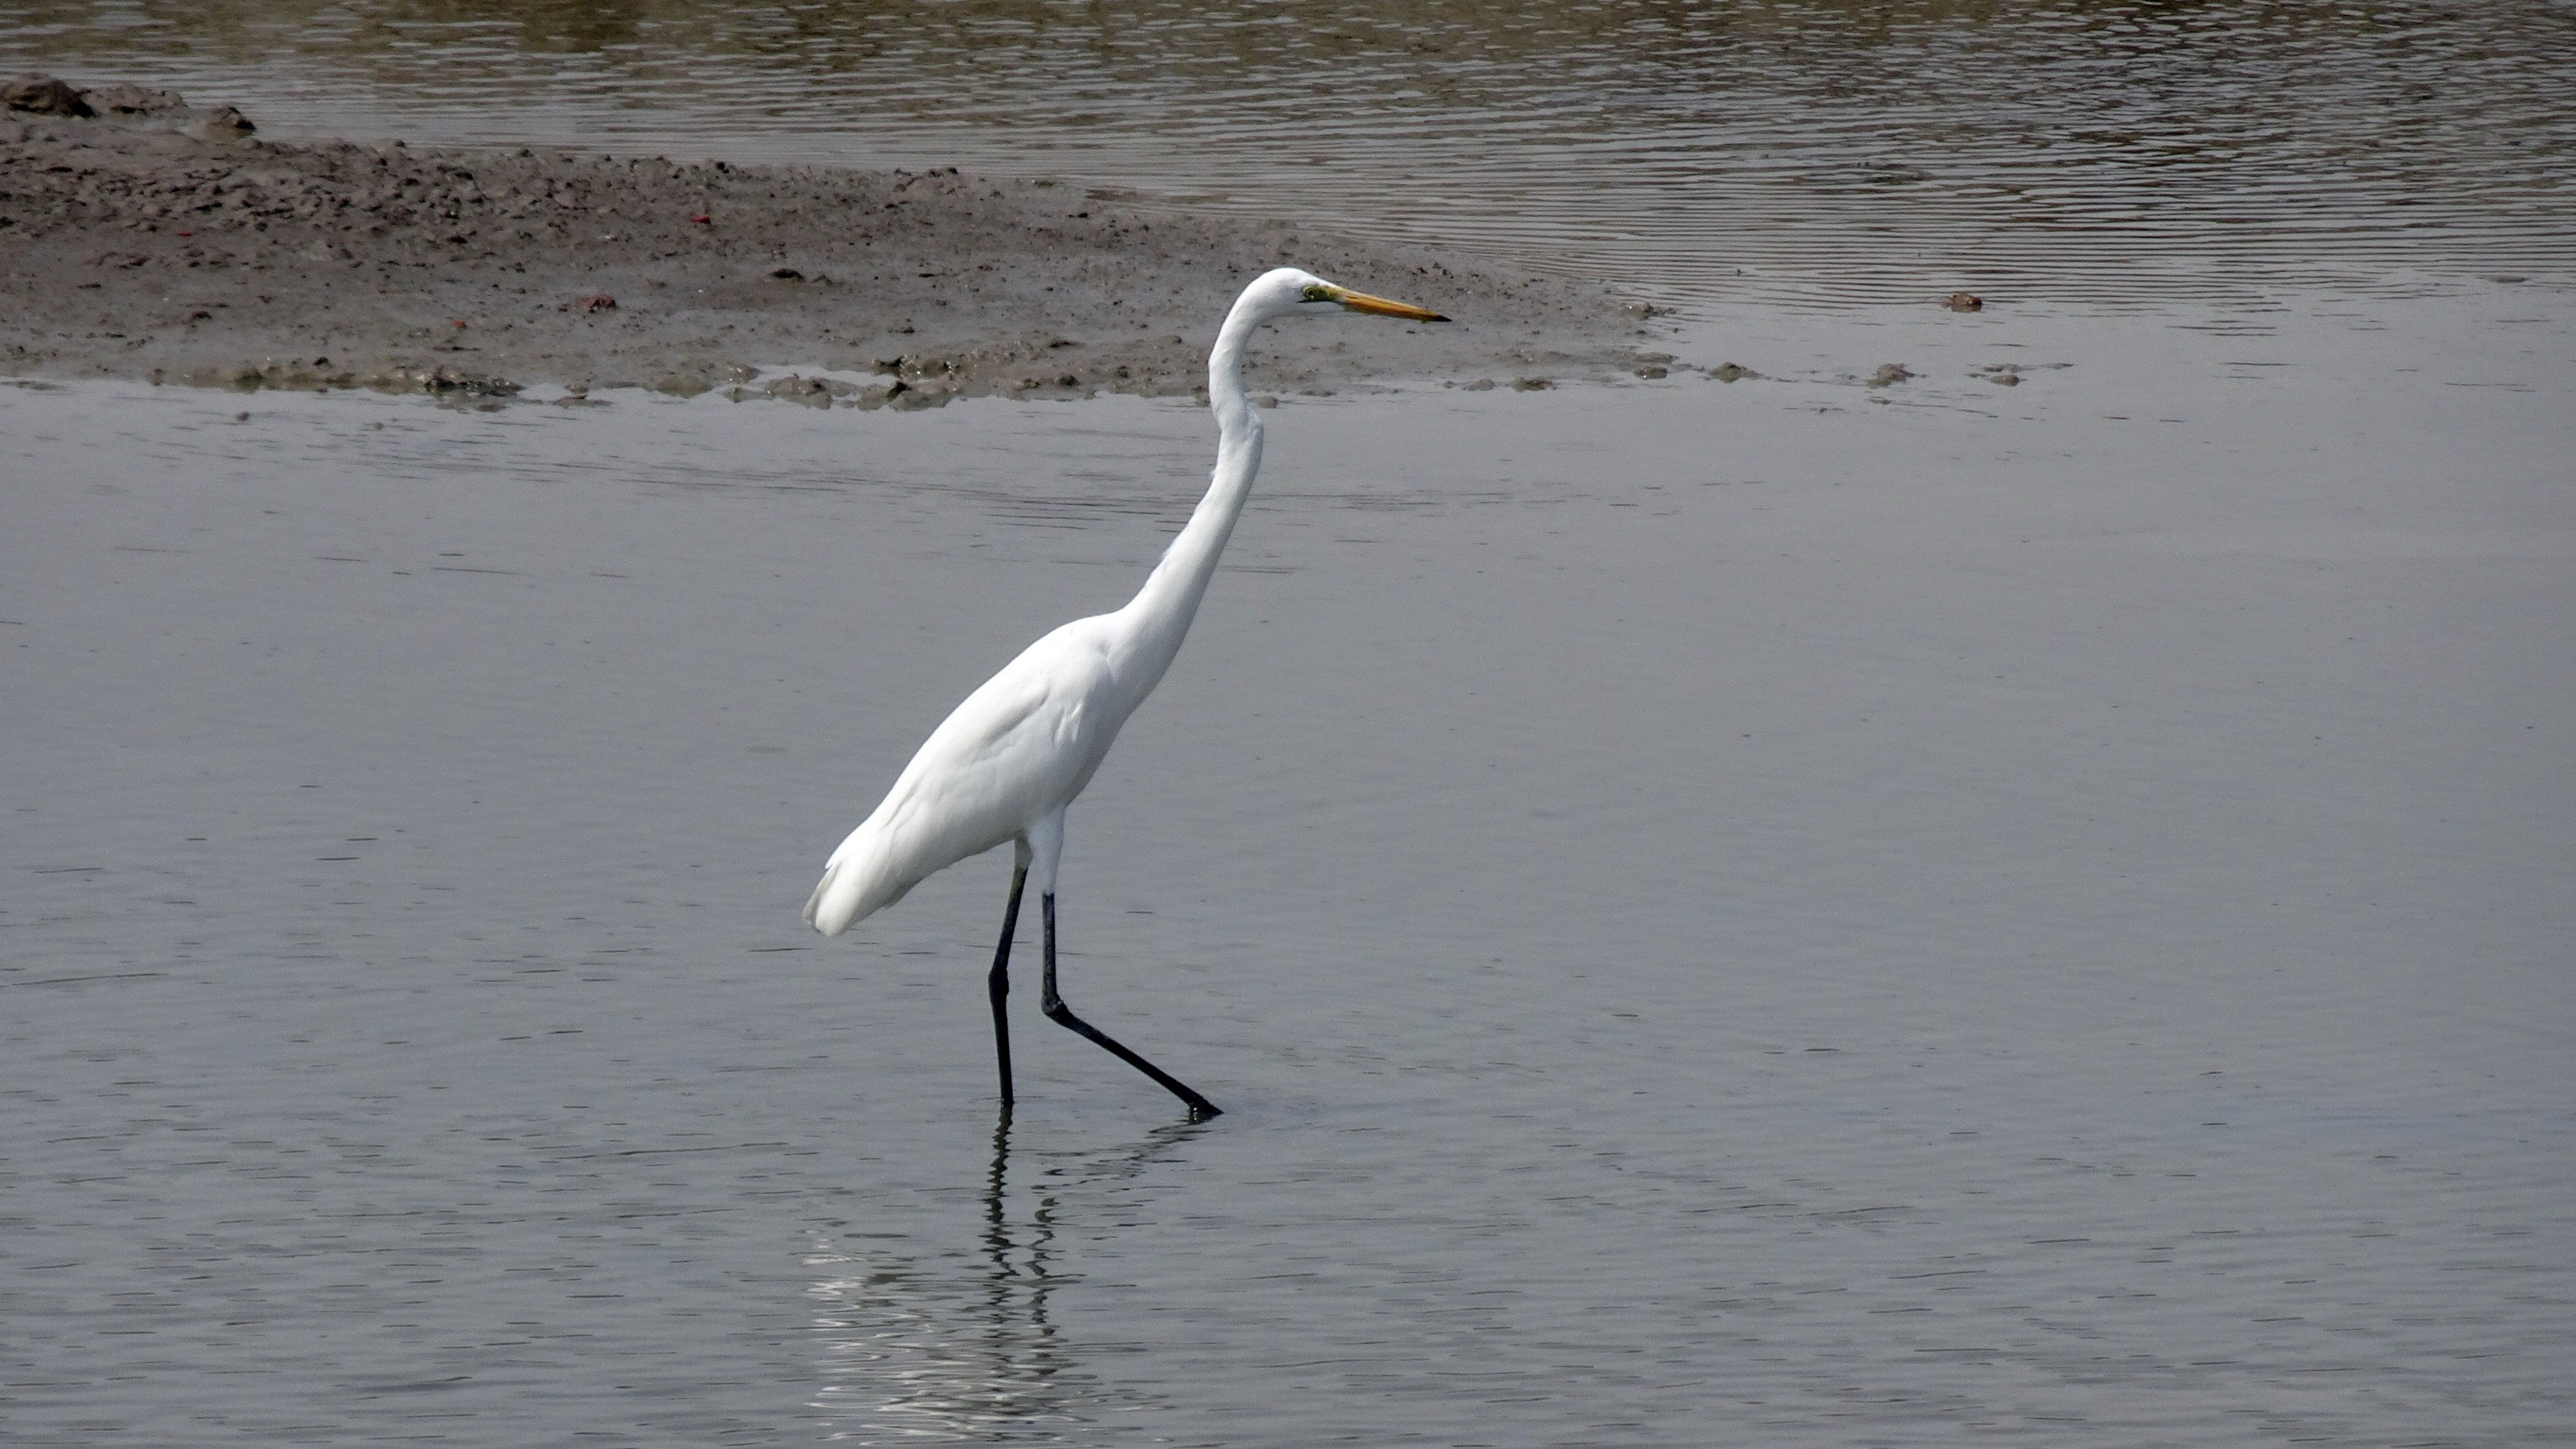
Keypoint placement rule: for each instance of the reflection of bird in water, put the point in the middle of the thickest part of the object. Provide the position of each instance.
(1006, 763)
(925, 1352)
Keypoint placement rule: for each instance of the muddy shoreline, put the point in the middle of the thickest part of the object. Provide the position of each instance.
(158, 241)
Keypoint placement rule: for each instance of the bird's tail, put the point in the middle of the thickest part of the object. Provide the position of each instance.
(859, 881)
(814, 903)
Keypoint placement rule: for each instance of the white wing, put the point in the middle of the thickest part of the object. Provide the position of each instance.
(1019, 748)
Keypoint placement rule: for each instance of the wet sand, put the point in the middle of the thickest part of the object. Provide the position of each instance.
(165, 243)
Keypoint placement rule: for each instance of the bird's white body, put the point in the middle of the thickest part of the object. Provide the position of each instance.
(1004, 764)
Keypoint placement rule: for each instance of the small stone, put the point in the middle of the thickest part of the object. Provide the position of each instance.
(813, 392)
(1965, 302)
(294, 376)
(125, 98)
(223, 123)
(1729, 372)
(1532, 384)
(42, 95)
(438, 382)
(1889, 373)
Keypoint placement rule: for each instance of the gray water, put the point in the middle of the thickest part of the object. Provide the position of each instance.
(1784, 913)
(1777, 913)
(2110, 153)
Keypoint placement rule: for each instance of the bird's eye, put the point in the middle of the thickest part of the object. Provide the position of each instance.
(1319, 293)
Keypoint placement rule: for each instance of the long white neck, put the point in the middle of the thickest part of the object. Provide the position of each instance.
(1159, 616)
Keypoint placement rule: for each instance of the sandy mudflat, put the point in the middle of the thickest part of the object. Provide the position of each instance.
(158, 242)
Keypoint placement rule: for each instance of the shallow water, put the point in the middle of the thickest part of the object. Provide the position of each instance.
(2097, 152)
(1787, 911)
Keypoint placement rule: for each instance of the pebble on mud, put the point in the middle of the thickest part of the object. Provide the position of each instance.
(275, 374)
(1888, 374)
(1729, 372)
(223, 123)
(1965, 302)
(811, 391)
(125, 98)
(43, 95)
(439, 382)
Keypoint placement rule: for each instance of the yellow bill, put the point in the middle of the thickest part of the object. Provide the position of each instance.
(1363, 302)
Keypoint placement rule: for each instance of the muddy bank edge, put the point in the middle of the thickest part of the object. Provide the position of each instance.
(153, 240)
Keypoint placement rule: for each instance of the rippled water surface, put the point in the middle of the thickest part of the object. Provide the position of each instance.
(2099, 153)
(1789, 912)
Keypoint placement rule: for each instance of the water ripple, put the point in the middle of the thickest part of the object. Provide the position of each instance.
(1812, 152)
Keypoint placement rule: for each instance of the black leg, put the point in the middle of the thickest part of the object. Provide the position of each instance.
(998, 985)
(1200, 1107)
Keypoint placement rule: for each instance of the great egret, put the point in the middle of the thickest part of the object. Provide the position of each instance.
(1006, 762)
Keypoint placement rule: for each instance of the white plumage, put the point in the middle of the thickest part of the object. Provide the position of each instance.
(1005, 763)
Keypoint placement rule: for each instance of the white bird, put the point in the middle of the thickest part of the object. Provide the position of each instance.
(1006, 762)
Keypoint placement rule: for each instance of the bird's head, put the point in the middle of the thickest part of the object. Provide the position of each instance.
(1288, 292)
